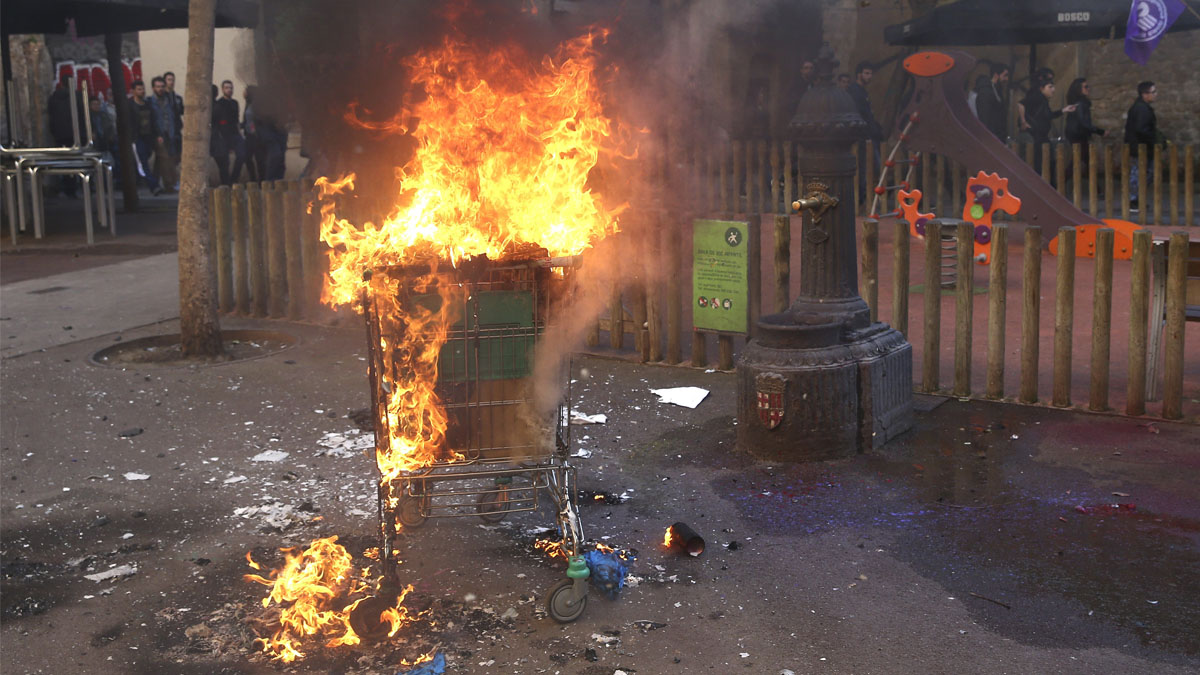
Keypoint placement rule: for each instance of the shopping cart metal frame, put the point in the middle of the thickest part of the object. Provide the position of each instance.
(492, 463)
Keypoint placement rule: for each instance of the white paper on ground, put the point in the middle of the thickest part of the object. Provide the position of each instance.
(136, 476)
(688, 397)
(122, 571)
(579, 419)
(269, 456)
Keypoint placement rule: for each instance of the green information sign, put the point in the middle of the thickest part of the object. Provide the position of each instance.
(720, 271)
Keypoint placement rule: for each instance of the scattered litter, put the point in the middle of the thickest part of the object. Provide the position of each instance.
(269, 456)
(510, 613)
(682, 537)
(647, 625)
(198, 631)
(436, 666)
(349, 443)
(234, 479)
(582, 452)
(688, 397)
(580, 419)
(590, 654)
(276, 516)
(598, 496)
(114, 573)
(131, 432)
(1153, 602)
(127, 535)
(137, 476)
(1120, 494)
(605, 639)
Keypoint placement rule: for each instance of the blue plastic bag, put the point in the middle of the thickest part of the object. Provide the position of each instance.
(608, 569)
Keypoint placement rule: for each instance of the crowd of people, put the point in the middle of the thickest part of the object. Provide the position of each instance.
(155, 123)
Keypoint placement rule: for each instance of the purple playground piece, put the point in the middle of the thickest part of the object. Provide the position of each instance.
(983, 234)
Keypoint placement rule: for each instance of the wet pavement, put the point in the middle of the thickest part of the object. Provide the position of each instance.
(992, 538)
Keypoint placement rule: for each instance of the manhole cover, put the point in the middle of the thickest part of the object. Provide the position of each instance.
(165, 351)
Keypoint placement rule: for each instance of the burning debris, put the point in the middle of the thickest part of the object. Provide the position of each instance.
(315, 593)
(684, 539)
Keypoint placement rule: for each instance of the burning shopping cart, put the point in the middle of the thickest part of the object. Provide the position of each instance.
(458, 428)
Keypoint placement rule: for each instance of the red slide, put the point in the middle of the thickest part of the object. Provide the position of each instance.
(943, 124)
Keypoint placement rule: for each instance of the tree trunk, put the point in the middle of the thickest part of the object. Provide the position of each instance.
(116, 75)
(199, 328)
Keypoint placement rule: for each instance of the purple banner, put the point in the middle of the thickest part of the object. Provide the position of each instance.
(1148, 22)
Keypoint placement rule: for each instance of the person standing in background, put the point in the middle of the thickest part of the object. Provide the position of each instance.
(176, 108)
(1079, 128)
(989, 102)
(145, 133)
(862, 102)
(1038, 117)
(1141, 128)
(255, 152)
(165, 157)
(225, 125)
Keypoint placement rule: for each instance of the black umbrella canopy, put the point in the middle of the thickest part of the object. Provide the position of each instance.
(1020, 22)
(97, 17)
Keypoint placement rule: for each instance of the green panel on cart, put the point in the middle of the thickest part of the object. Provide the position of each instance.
(505, 346)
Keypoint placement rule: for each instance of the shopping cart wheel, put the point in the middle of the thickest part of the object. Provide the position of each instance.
(562, 603)
(410, 512)
(492, 507)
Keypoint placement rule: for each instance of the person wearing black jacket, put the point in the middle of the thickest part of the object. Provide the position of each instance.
(862, 102)
(1079, 128)
(989, 102)
(61, 128)
(226, 136)
(1037, 116)
(1141, 127)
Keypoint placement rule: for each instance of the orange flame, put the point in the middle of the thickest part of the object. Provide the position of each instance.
(552, 548)
(668, 538)
(308, 590)
(506, 148)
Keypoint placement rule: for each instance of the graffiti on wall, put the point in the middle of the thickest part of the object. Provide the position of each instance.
(95, 74)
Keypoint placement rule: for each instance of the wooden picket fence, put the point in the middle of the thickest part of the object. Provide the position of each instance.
(758, 176)
(270, 263)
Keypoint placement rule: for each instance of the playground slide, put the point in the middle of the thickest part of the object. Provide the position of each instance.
(943, 124)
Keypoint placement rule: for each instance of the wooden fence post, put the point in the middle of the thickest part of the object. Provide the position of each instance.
(1143, 184)
(788, 188)
(1189, 187)
(963, 308)
(738, 158)
(1101, 319)
(222, 214)
(1064, 316)
(616, 315)
(1124, 178)
(957, 195)
(1031, 288)
(699, 349)
(724, 352)
(1158, 309)
(1047, 162)
(870, 266)
(1156, 165)
(940, 179)
(753, 186)
(241, 266)
(1077, 176)
(1109, 196)
(775, 182)
(783, 261)
(258, 255)
(1177, 260)
(275, 250)
(674, 255)
(291, 241)
(933, 306)
(1135, 393)
(900, 255)
(1060, 168)
(868, 155)
(313, 251)
(1093, 184)
(764, 181)
(1173, 204)
(997, 299)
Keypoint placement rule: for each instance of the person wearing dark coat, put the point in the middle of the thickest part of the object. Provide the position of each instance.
(989, 102)
(1141, 128)
(862, 102)
(1037, 115)
(61, 129)
(226, 122)
(1079, 128)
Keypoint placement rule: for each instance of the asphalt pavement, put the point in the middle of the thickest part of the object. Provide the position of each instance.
(993, 538)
